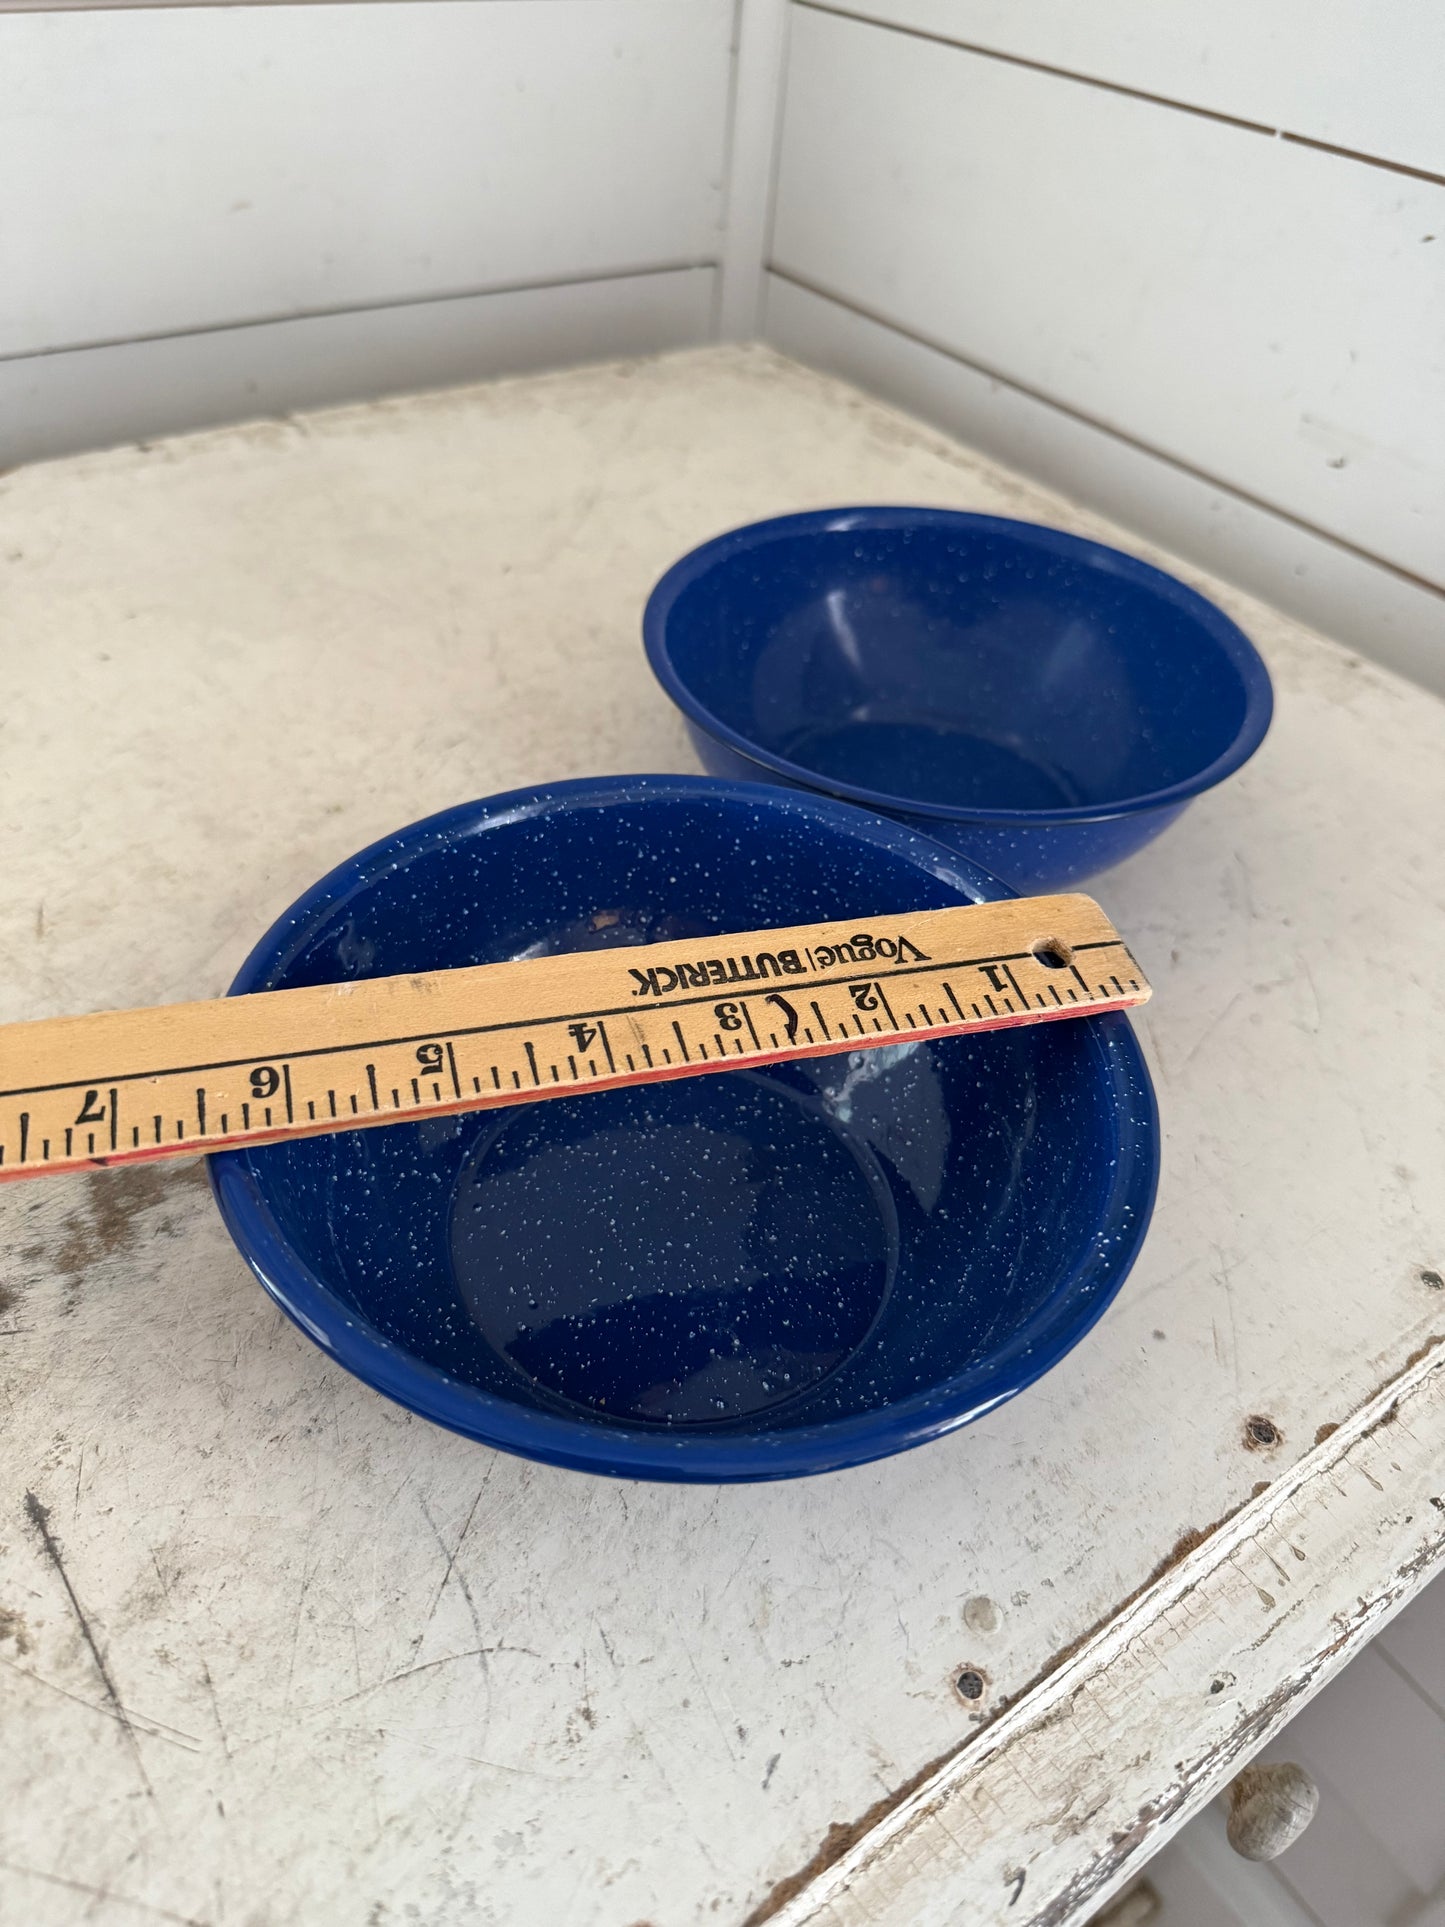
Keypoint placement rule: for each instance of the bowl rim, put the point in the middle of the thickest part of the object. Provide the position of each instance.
(1228, 637)
(656, 1452)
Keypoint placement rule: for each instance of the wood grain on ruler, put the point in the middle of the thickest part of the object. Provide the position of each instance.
(182, 1078)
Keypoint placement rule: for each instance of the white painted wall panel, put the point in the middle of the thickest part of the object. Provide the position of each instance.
(139, 390)
(1268, 314)
(1360, 602)
(168, 170)
(759, 61)
(1349, 72)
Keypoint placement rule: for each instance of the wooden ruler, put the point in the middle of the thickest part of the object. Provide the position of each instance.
(82, 1091)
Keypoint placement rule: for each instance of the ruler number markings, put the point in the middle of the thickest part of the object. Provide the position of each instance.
(764, 1004)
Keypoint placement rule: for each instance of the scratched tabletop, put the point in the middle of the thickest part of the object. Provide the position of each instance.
(275, 1651)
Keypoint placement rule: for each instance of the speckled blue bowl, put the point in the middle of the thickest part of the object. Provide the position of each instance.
(1042, 703)
(748, 1275)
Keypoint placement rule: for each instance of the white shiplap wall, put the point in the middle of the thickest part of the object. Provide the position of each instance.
(1186, 264)
(210, 211)
(1341, 72)
(1120, 247)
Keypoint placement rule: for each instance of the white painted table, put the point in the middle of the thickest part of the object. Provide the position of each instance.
(310, 1660)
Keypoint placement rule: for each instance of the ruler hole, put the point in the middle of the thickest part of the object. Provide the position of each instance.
(1053, 953)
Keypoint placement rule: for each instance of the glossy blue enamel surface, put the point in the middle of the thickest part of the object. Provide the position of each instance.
(747, 1275)
(1039, 702)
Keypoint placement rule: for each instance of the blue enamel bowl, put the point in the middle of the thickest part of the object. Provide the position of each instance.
(1041, 703)
(746, 1275)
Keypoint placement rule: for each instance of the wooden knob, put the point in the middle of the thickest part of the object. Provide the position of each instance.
(1269, 1808)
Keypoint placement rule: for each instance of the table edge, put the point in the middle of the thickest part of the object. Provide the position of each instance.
(1037, 1820)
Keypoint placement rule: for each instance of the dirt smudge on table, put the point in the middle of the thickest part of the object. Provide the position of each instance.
(107, 1223)
(12, 1626)
(39, 1516)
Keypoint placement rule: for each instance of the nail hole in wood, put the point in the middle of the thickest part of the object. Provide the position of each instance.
(970, 1684)
(1260, 1433)
(1053, 953)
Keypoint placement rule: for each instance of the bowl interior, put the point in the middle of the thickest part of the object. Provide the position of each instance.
(735, 1253)
(958, 663)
